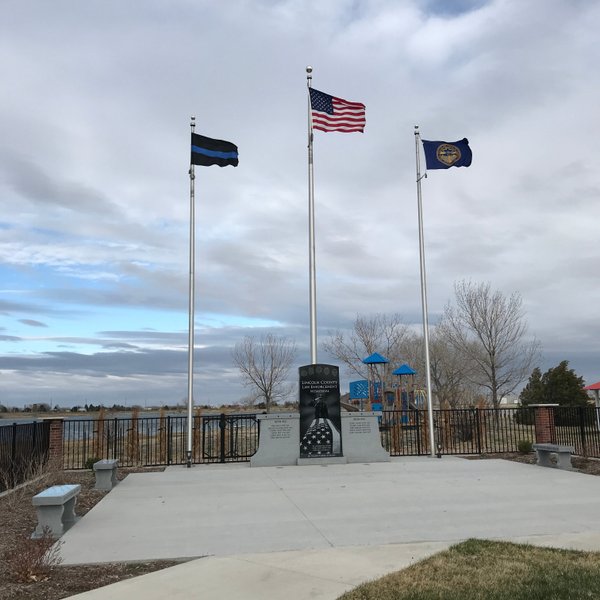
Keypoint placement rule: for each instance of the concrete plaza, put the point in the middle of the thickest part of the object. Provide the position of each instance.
(316, 531)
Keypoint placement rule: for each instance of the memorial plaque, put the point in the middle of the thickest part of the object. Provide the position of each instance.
(279, 440)
(281, 429)
(320, 418)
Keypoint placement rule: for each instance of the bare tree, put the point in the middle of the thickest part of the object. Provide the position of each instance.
(451, 373)
(489, 331)
(264, 365)
(386, 334)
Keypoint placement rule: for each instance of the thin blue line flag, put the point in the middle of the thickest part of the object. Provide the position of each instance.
(207, 152)
(443, 155)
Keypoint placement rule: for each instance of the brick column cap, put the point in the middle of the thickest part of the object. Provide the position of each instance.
(51, 418)
(541, 405)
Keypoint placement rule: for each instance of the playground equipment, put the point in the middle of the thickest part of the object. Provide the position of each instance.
(408, 423)
(405, 393)
(374, 362)
(420, 398)
(359, 392)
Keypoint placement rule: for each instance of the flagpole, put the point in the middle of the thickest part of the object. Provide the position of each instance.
(311, 231)
(424, 293)
(191, 310)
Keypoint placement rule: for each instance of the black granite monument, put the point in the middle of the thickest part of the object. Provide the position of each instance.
(320, 418)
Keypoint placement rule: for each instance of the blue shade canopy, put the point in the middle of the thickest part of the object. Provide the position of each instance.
(404, 370)
(375, 359)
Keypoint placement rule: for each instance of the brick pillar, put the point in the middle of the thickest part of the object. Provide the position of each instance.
(55, 454)
(545, 430)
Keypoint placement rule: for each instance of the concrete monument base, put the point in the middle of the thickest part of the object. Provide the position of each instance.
(322, 460)
(361, 441)
(279, 442)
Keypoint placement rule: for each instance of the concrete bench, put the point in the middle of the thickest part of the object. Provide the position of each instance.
(562, 453)
(55, 509)
(106, 473)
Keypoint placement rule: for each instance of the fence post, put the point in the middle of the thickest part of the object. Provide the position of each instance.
(478, 423)
(418, 422)
(203, 424)
(115, 439)
(545, 429)
(222, 426)
(13, 457)
(169, 441)
(13, 446)
(582, 429)
(56, 444)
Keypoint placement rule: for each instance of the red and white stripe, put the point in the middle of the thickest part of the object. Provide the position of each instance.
(347, 117)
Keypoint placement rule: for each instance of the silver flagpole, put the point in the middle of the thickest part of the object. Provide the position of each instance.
(424, 293)
(191, 311)
(311, 231)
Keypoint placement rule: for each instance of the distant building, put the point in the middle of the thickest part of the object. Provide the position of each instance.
(510, 400)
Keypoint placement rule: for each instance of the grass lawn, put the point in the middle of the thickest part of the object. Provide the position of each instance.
(485, 570)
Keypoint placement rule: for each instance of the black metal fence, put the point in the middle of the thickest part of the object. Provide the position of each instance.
(153, 441)
(229, 438)
(457, 431)
(579, 426)
(23, 452)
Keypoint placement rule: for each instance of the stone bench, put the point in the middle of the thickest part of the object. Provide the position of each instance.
(562, 453)
(55, 509)
(106, 474)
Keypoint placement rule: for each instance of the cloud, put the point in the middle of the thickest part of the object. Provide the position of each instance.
(32, 323)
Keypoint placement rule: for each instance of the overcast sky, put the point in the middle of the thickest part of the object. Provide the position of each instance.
(94, 158)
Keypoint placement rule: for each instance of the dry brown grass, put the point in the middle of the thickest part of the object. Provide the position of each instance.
(33, 560)
(481, 569)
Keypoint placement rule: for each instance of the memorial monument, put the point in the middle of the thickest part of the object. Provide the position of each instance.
(319, 433)
(320, 418)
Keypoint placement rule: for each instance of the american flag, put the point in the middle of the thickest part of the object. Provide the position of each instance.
(318, 440)
(335, 114)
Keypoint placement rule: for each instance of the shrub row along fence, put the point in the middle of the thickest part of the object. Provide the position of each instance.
(159, 440)
(24, 450)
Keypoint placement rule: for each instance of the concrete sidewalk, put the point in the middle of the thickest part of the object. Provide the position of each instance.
(316, 531)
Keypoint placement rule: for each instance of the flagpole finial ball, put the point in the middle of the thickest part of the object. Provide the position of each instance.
(309, 69)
